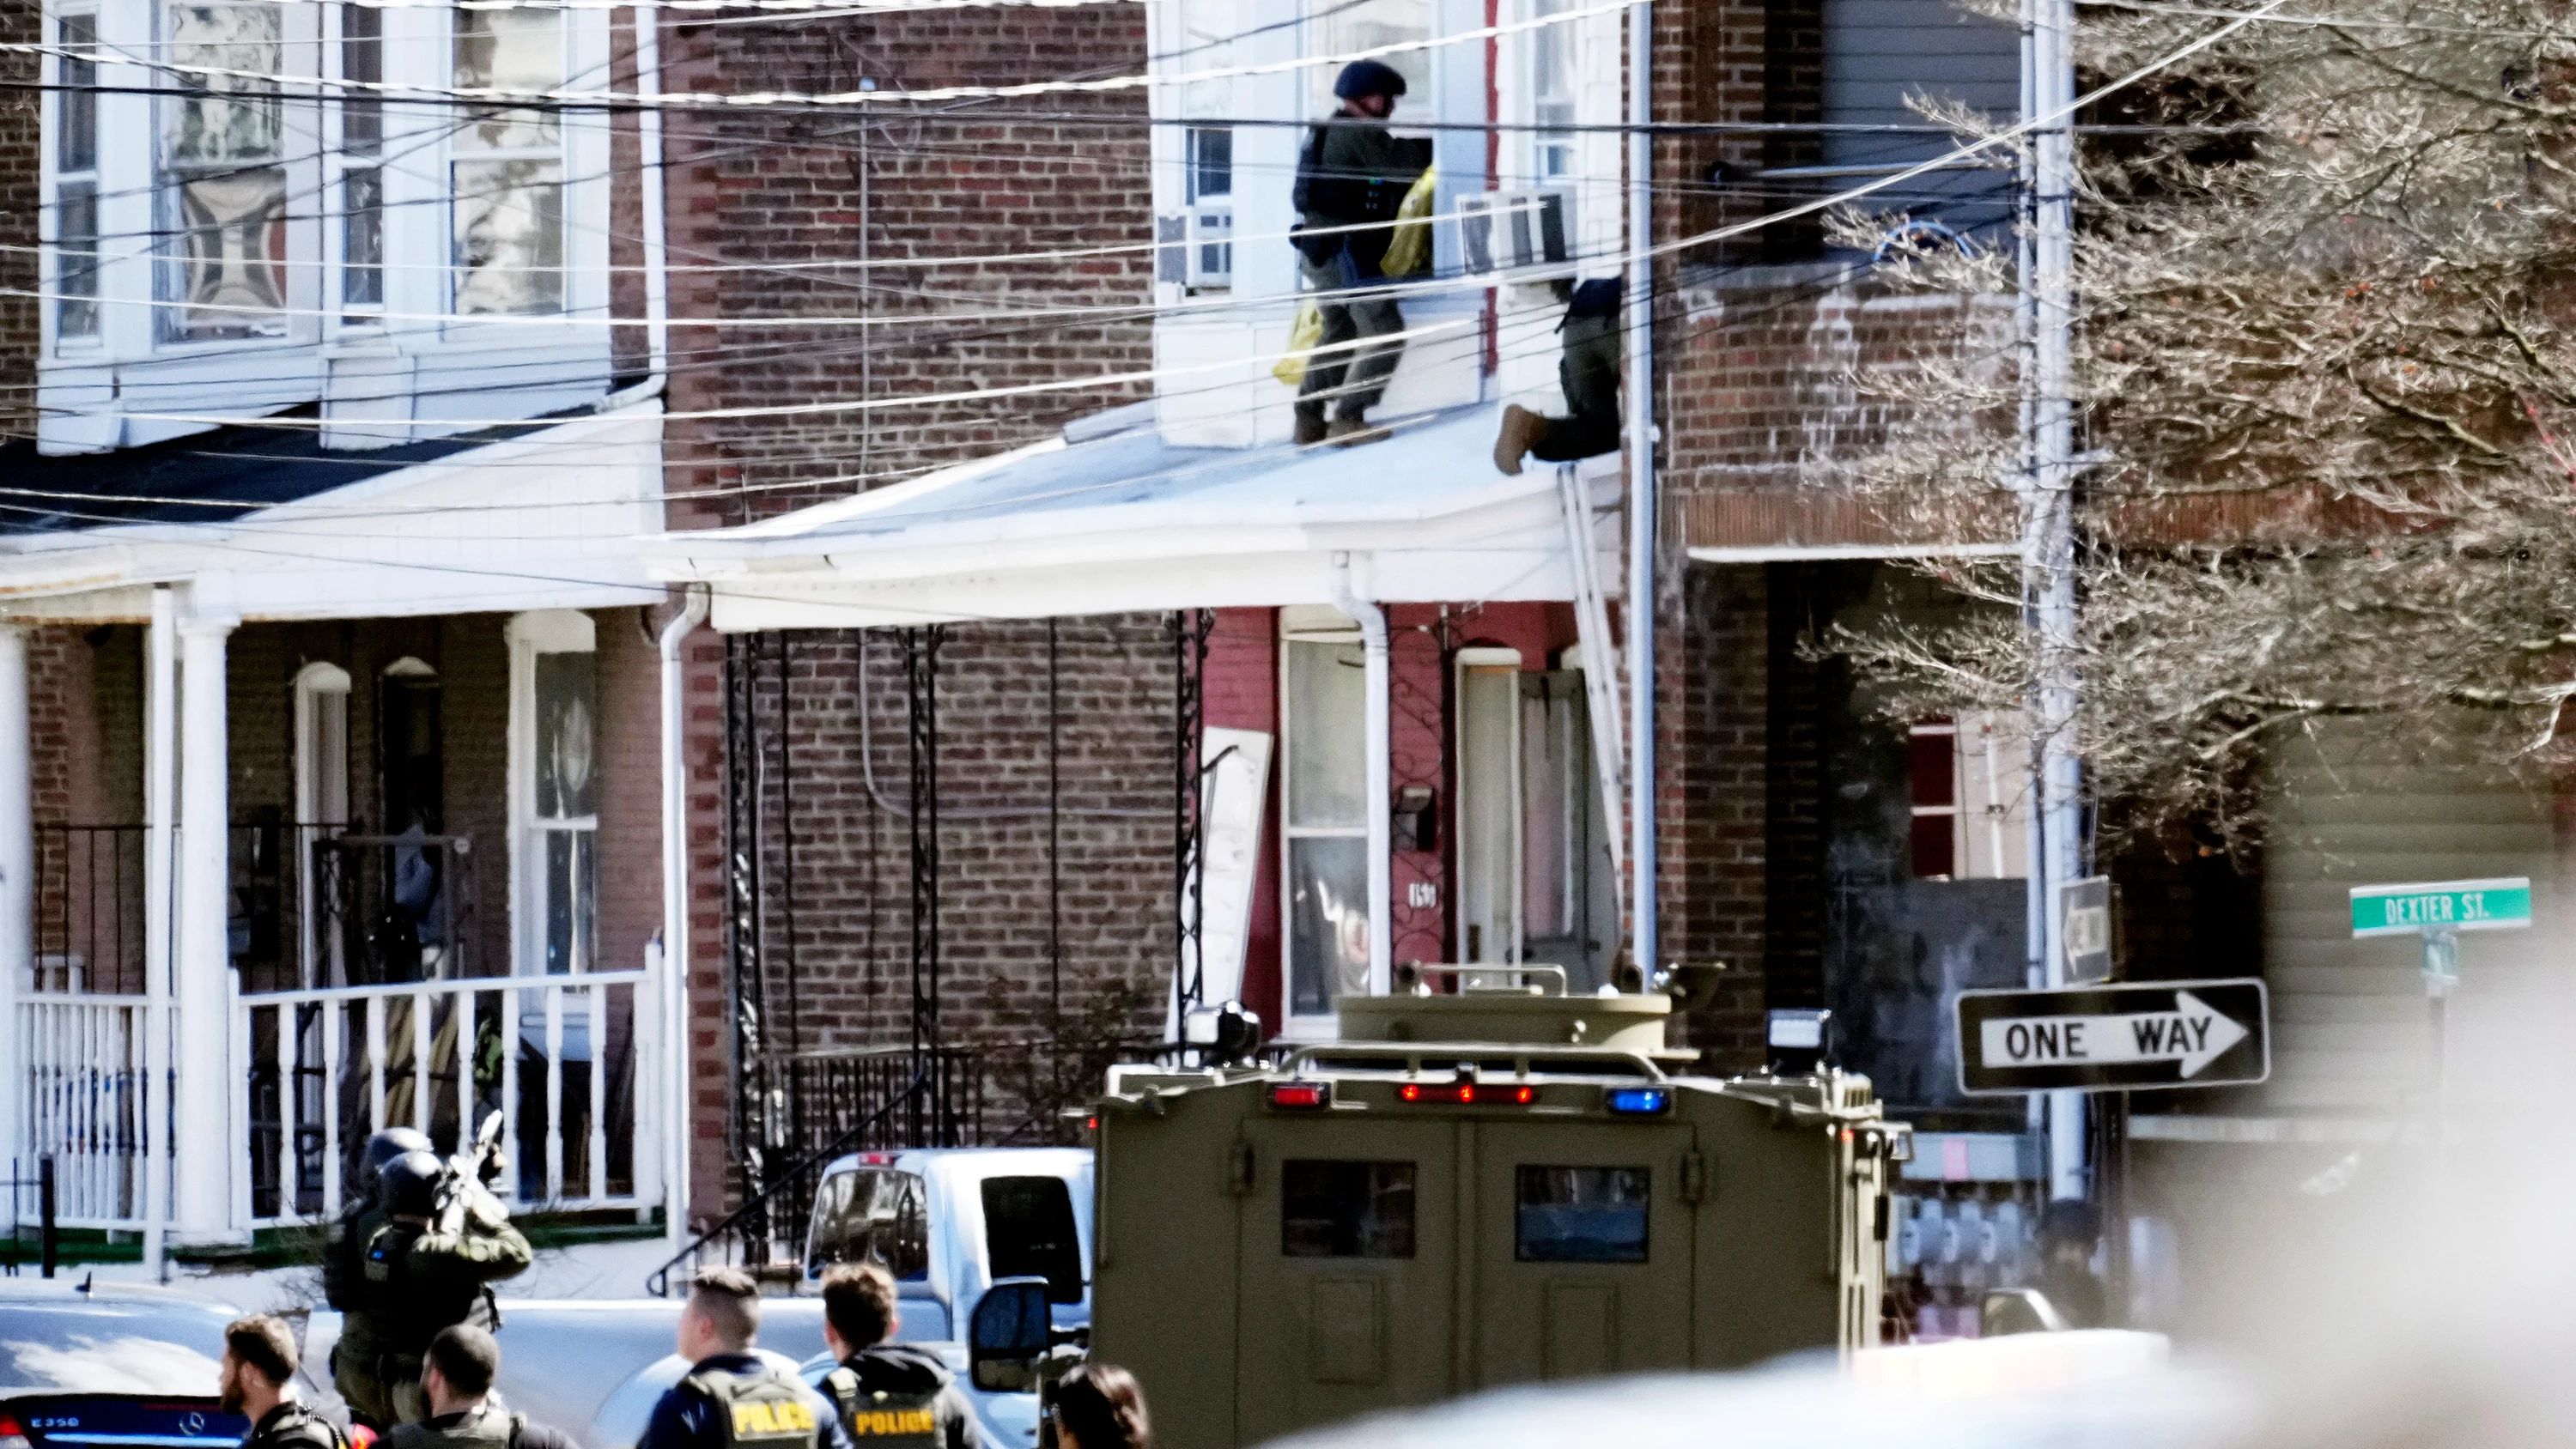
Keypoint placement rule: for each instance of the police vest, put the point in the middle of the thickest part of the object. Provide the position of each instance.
(408, 1309)
(765, 1409)
(484, 1427)
(297, 1428)
(875, 1419)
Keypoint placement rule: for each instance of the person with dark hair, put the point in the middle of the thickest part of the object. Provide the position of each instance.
(1588, 371)
(1352, 174)
(257, 1379)
(2070, 1231)
(1100, 1406)
(456, 1374)
(420, 1277)
(732, 1398)
(888, 1393)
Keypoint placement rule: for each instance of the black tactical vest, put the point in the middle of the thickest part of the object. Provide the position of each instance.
(764, 1410)
(875, 1419)
(484, 1427)
(297, 1428)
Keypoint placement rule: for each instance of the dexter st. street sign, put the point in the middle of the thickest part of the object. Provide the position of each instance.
(2108, 1038)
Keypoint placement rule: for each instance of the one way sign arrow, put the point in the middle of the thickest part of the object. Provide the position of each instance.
(2166, 1034)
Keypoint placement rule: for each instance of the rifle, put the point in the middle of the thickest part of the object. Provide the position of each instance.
(466, 1184)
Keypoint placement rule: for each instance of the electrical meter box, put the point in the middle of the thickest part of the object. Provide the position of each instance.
(1471, 1190)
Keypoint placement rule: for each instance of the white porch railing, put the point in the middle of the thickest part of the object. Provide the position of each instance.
(568, 1062)
(84, 1097)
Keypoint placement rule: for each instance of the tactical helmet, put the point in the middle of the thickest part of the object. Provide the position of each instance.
(384, 1147)
(1368, 78)
(409, 1184)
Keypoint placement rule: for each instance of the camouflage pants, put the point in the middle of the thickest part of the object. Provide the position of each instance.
(382, 1389)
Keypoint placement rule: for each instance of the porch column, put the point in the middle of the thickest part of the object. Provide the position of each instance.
(17, 871)
(160, 791)
(204, 1104)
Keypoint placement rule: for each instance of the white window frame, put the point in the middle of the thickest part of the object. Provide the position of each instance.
(315, 684)
(1504, 876)
(1307, 626)
(545, 631)
(84, 383)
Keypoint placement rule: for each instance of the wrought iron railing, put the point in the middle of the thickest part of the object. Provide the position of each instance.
(89, 909)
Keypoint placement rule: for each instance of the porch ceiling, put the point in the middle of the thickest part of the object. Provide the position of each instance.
(548, 519)
(1129, 522)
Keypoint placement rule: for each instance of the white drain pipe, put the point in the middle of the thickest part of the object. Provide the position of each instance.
(675, 918)
(1378, 699)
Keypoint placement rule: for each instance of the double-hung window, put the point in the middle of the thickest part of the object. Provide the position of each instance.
(508, 173)
(1323, 708)
(223, 159)
(1551, 57)
(554, 717)
(360, 161)
(75, 273)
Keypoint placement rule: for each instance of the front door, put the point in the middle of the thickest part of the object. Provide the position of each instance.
(1349, 1287)
(1583, 1250)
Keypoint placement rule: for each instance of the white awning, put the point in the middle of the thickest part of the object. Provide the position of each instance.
(1128, 522)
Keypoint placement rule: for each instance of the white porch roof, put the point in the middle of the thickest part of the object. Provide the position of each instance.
(1129, 522)
(549, 519)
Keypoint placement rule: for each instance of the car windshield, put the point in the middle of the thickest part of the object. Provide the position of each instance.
(873, 1215)
(111, 1347)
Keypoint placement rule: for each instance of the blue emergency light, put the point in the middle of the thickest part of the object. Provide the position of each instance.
(1640, 1101)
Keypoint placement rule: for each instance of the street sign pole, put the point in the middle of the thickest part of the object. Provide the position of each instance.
(2435, 913)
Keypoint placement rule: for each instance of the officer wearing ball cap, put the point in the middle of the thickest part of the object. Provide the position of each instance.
(1351, 179)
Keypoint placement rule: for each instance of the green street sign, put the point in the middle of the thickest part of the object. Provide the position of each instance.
(2453, 905)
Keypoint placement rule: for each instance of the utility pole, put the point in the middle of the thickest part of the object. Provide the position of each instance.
(2048, 521)
(1640, 593)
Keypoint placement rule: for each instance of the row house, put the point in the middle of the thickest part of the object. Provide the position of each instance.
(328, 666)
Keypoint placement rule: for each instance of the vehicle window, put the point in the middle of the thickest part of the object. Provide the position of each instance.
(873, 1215)
(1581, 1214)
(112, 1348)
(1029, 1233)
(1345, 1209)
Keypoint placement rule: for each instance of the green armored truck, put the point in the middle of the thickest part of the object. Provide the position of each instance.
(1469, 1190)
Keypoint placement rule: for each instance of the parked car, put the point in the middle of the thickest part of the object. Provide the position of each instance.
(87, 1365)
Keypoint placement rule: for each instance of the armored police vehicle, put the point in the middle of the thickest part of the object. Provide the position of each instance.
(1468, 1190)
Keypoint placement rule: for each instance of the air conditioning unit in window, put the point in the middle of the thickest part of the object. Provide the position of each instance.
(1507, 231)
(1195, 247)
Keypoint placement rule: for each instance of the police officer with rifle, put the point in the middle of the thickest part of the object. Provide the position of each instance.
(444, 1241)
(344, 1255)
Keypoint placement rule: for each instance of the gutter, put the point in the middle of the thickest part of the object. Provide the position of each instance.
(675, 918)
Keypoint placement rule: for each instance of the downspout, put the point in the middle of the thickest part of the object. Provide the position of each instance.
(1376, 704)
(1645, 950)
(160, 795)
(675, 918)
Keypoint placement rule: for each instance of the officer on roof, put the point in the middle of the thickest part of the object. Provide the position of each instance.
(258, 1380)
(420, 1276)
(1352, 174)
(889, 1394)
(733, 1398)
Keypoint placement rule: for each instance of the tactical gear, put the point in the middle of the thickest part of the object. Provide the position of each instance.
(408, 1185)
(761, 1409)
(384, 1147)
(1368, 78)
(344, 1256)
(894, 1396)
(485, 1426)
(293, 1426)
(420, 1282)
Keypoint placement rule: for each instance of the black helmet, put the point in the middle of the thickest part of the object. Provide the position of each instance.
(1368, 78)
(384, 1147)
(409, 1184)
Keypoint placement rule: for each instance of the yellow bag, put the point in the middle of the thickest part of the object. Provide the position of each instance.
(1303, 334)
(1410, 249)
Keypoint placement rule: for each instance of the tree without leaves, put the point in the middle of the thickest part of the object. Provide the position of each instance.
(2323, 354)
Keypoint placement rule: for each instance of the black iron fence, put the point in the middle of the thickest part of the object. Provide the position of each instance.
(36, 1179)
(89, 908)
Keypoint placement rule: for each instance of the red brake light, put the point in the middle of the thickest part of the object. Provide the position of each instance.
(1304, 1096)
(9, 1428)
(1466, 1094)
(1091, 1123)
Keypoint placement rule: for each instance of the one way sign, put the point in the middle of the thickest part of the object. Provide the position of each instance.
(2105, 1038)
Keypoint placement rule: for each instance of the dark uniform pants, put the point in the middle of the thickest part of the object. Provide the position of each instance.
(381, 1388)
(1589, 372)
(1349, 381)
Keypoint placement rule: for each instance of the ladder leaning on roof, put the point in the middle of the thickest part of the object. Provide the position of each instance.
(1600, 657)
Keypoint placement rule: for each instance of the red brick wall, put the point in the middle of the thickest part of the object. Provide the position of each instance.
(1240, 690)
(21, 115)
(767, 189)
(629, 770)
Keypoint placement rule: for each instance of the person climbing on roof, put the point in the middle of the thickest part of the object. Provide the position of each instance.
(1351, 178)
(1588, 370)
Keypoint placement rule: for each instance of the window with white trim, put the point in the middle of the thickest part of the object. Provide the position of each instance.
(1323, 813)
(1551, 82)
(211, 192)
(554, 727)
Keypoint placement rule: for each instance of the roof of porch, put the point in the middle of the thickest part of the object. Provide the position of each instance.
(1124, 521)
